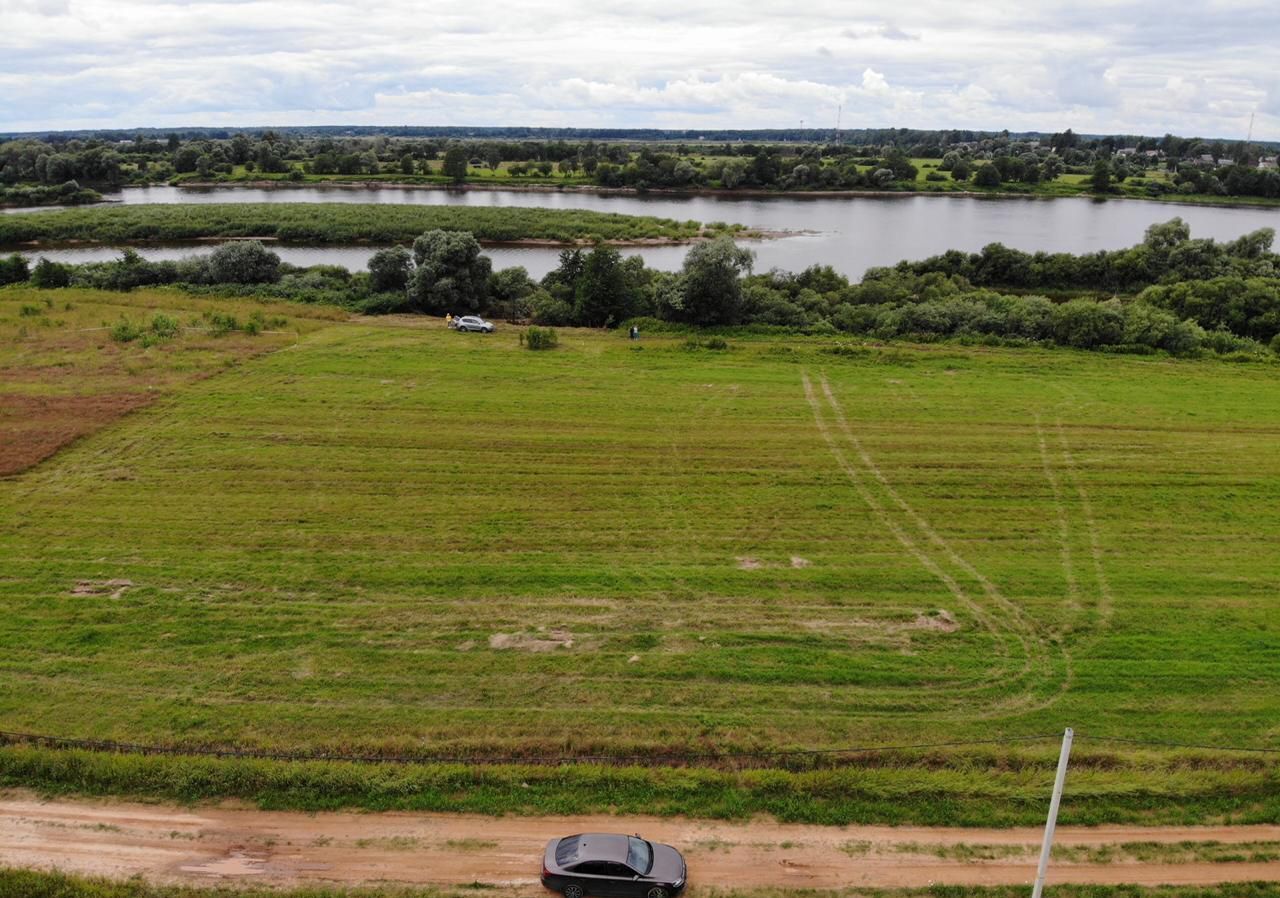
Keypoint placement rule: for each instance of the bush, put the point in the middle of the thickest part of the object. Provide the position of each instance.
(50, 275)
(125, 331)
(163, 326)
(715, 344)
(14, 270)
(243, 262)
(220, 323)
(547, 309)
(383, 304)
(539, 338)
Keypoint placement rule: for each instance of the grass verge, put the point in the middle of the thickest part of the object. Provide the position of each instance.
(15, 883)
(960, 790)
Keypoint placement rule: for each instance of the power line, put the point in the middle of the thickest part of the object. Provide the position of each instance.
(1194, 745)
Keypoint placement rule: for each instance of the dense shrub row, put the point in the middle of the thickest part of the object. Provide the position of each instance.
(68, 193)
(1167, 254)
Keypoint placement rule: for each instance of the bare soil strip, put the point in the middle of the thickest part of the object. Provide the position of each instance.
(235, 844)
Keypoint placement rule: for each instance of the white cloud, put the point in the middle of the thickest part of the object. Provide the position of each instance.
(1094, 65)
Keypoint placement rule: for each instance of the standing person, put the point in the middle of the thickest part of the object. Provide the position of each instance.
(448, 319)
(635, 332)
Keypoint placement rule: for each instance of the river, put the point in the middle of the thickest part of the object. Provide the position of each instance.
(850, 234)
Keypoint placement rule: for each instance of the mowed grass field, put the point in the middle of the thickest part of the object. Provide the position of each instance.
(390, 537)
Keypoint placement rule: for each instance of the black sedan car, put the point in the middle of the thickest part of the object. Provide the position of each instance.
(606, 864)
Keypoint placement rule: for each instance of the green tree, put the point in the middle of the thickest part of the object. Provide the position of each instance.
(510, 290)
(185, 160)
(604, 293)
(390, 269)
(987, 176)
(710, 286)
(406, 164)
(451, 276)
(455, 164)
(961, 170)
(50, 275)
(733, 172)
(1100, 180)
(14, 270)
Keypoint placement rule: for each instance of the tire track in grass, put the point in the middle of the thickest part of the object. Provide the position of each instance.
(1002, 615)
(1106, 600)
(999, 675)
(1064, 526)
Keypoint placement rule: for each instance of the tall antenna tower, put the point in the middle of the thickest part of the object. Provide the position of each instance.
(835, 138)
(1249, 138)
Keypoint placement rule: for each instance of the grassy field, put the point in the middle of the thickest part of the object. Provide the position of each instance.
(393, 538)
(63, 375)
(331, 223)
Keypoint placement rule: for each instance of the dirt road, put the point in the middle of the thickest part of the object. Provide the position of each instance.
(221, 844)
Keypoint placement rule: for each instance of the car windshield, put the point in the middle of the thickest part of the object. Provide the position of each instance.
(639, 854)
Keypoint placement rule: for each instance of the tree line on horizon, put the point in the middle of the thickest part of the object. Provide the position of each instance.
(879, 160)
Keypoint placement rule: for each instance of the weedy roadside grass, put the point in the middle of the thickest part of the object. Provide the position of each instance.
(332, 223)
(397, 540)
(15, 883)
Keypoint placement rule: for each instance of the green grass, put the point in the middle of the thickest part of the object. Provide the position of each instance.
(15, 883)
(330, 223)
(402, 540)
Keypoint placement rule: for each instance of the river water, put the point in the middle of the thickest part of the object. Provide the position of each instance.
(849, 233)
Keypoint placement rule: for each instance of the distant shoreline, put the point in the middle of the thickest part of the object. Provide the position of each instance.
(748, 192)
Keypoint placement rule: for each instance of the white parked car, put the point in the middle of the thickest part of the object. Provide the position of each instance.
(472, 323)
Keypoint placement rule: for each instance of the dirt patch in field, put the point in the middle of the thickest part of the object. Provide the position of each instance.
(32, 428)
(541, 641)
(941, 620)
(112, 589)
(748, 563)
(798, 562)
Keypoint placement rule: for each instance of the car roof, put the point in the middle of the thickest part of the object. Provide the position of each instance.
(593, 847)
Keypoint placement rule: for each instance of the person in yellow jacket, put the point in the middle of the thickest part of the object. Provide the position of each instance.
(448, 319)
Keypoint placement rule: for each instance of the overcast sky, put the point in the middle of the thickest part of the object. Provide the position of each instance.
(1092, 65)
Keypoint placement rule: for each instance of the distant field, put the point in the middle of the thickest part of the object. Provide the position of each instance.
(392, 537)
(331, 223)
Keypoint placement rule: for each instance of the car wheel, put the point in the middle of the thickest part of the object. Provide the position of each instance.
(656, 892)
(572, 890)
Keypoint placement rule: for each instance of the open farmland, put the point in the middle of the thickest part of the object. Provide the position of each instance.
(395, 538)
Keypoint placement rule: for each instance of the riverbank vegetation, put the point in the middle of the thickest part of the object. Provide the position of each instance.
(893, 160)
(321, 223)
(1171, 293)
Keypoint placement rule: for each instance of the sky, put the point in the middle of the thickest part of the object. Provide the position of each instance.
(1098, 66)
